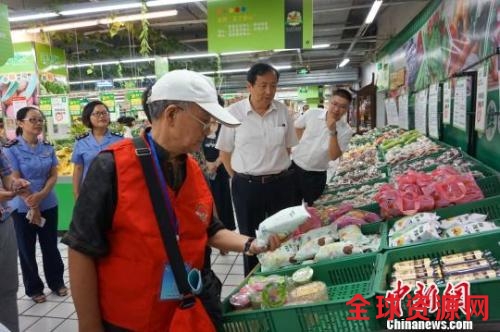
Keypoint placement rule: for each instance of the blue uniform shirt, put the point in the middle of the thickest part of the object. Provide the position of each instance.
(5, 170)
(86, 148)
(34, 164)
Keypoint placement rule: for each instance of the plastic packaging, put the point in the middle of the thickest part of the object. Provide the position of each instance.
(303, 275)
(282, 223)
(313, 292)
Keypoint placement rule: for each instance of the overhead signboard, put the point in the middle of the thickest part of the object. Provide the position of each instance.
(5, 39)
(254, 25)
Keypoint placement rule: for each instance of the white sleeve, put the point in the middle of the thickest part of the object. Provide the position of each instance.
(301, 121)
(291, 135)
(344, 138)
(225, 142)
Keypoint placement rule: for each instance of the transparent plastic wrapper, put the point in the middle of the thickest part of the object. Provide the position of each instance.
(313, 222)
(372, 243)
(472, 228)
(309, 293)
(303, 275)
(329, 230)
(351, 233)
(337, 212)
(462, 219)
(346, 220)
(274, 295)
(418, 233)
(309, 249)
(419, 218)
(335, 250)
(283, 256)
(282, 223)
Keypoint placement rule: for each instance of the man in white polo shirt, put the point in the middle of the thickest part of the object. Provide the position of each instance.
(257, 154)
(324, 135)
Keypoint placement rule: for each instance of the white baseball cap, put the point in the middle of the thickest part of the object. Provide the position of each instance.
(187, 85)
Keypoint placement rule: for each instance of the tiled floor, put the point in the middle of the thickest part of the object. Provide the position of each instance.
(58, 313)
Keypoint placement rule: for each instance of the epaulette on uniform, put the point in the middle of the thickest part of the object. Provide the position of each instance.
(11, 143)
(45, 142)
(115, 133)
(79, 137)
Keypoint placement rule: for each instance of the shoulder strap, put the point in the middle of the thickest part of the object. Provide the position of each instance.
(167, 233)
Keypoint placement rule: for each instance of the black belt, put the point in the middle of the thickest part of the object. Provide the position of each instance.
(265, 178)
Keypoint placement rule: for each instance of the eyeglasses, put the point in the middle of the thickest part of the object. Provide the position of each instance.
(100, 114)
(341, 106)
(35, 120)
(205, 126)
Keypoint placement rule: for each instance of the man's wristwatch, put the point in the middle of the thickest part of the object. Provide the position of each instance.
(333, 132)
(246, 249)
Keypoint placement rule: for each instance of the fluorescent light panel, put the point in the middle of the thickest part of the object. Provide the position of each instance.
(344, 62)
(98, 9)
(104, 21)
(32, 17)
(240, 52)
(321, 46)
(192, 56)
(373, 11)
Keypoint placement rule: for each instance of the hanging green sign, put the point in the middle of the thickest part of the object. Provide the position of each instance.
(109, 100)
(46, 105)
(246, 25)
(5, 39)
(76, 106)
(135, 100)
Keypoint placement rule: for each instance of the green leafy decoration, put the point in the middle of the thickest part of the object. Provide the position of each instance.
(145, 49)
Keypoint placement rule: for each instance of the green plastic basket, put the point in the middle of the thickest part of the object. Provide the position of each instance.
(489, 206)
(486, 241)
(344, 278)
(369, 182)
(490, 186)
(368, 229)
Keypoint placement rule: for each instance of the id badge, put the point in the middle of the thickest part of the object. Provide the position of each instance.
(169, 290)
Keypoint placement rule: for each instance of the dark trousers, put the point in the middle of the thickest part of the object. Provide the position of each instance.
(8, 276)
(222, 197)
(53, 266)
(309, 185)
(254, 201)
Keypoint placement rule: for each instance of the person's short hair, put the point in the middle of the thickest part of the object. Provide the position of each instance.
(343, 93)
(260, 69)
(21, 114)
(87, 112)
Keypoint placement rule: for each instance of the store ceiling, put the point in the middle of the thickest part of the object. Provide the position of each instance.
(339, 23)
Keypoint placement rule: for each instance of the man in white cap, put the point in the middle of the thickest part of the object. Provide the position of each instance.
(117, 261)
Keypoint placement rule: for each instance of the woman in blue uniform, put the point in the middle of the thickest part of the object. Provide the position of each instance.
(35, 161)
(95, 116)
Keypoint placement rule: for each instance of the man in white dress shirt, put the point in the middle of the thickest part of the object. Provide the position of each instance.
(324, 135)
(256, 155)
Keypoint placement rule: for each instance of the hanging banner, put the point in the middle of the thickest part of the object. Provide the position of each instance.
(433, 118)
(134, 99)
(391, 110)
(258, 25)
(76, 106)
(460, 104)
(60, 110)
(108, 99)
(403, 119)
(46, 106)
(447, 103)
(5, 38)
(421, 111)
(482, 92)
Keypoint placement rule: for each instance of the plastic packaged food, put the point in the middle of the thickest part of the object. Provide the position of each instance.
(419, 233)
(313, 292)
(467, 267)
(418, 218)
(351, 233)
(472, 228)
(282, 223)
(464, 257)
(462, 220)
(336, 249)
(303, 275)
(240, 301)
(309, 249)
(419, 273)
(474, 276)
(411, 264)
(274, 295)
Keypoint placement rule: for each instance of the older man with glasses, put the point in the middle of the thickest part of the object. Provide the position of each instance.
(117, 258)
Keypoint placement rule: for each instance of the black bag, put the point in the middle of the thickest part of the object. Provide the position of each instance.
(212, 286)
(210, 296)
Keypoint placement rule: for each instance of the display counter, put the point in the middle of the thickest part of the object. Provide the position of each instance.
(64, 192)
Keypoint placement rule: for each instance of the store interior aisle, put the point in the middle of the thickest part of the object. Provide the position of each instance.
(58, 313)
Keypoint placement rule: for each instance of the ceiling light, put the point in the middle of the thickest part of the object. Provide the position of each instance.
(168, 2)
(285, 49)
(236, 53)
(373, 11)
(239, 70)
(98, 9)
(137, 60)
(32, 17)
(192, 56)
(321, 45)
(344, 62)
(105, 21)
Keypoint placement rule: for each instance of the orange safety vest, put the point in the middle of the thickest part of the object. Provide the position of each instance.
(129, 278)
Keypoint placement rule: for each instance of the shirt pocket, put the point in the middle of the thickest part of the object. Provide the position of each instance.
(277, 136)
